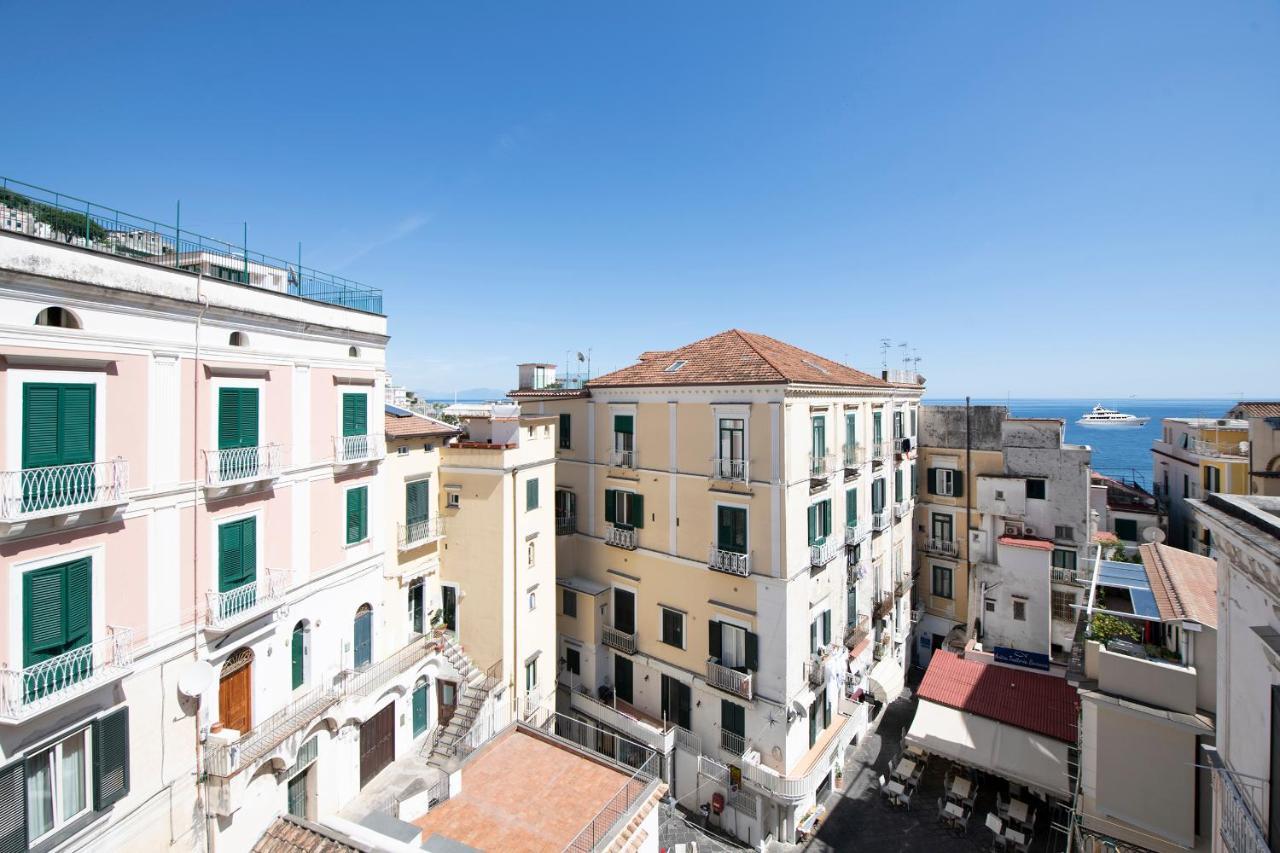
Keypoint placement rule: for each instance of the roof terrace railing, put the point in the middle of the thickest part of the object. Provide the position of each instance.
(48, 215)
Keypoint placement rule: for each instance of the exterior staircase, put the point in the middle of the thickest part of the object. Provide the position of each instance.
(447, 748)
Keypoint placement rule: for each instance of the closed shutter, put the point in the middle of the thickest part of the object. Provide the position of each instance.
(417, 501)
(610, 507)
(298, 668)
(13, 808)
(826, 627)
(237, 554)
(713, 639)
(564, 431)
(420, 708)
(357, 500)
(753, 652)
(355, 414)
(110, 758)
(636, 511)
(851, 508)
(228, 418)
(44, 628)
(531, 494)
(79, 603)
(826, 518)
(75, 424)
(957, 484)
(39, 425)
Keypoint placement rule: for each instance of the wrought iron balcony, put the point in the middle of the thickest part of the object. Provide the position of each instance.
(855, 533)
(355, 449)
(566, 524)
(419, 532)
(227, 758)
(622, 458)
(732, 743)
(62, 489)
(728, 680)
(1075, 576)
(824, 552)
(370, 680)
(27, 692)
(821, 465)
(734, 470)
(858, 631)
(879, 521)
(853, 456)
(241, 465)
(729, 561)
(815, 671)
(621, 537)
(947, 547)
(239, 605)
(616, 638)
(901, 509)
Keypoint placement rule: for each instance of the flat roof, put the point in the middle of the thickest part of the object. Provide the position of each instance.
(1131, 577)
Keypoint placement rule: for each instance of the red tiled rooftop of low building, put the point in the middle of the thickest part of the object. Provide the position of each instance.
(1185, 585)
(413, 425)
(1027, 542)
(1044, 704)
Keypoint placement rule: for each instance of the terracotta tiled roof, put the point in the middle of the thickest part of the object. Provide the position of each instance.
(736, 358)
(291, 835)
(1027, 542)
(411, 425)
(543, 393)
(1255, 410)
(1045, 704)
(1185, 585)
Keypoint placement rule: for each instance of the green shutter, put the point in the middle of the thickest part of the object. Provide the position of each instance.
(826, 518)
(13, 807)
(355, 414)
(826, 627)
(851, 508)
(44, 625)
(624, 424)
(57, 424)
(417, 500)
(78, 617)
(357, 506)
(931, 481)
(565, 435)
(610, 506)
(237, 554)
(753, 652)
(299, 669)
(75, 424)
(636, 514)
(228, 418)
(110, 758)
(713, 639)
(813, 525)
(419, 709)
(248, 417)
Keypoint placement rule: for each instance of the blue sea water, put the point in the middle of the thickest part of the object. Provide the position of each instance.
(1117, 452)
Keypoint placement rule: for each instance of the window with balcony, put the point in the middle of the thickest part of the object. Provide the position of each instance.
(897, 425)
(877, 496)
(566, 431)
(942, 528)
(820, 632)
(624, 440)
(1036, 489)
(672, 627)
(238, 557)
(569, 603)
(1065, 559)
(623, 678)
(357, 514)
(819, 522)
(417, 510)
(58, 431)
(531, 494)
(733, 646)
(624, 610)
(733, 726)
(677, 702)
(898, 493)
(531, 676)
(819, 717)
(355, 414)
(850, 430)
(1064, 606)
(237, 433)
(942, 577)
(566, 509)
(624, 509)
(57, 617)
(819, 427)
(731, 460)
(877, 427)
(731, 529)
(945, 483)
(851, 507)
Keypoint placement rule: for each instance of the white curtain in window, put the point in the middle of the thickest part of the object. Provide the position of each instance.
(72, 776)
(40, 795)
(733, 646)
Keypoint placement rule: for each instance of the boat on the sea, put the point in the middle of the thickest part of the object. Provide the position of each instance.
(1101, 416)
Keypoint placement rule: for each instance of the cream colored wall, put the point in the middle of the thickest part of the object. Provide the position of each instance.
(420, 561)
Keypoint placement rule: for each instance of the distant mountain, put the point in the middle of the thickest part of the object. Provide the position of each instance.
(463, 394)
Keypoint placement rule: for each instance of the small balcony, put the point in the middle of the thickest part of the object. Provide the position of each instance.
(241, 466)
(732, 743)
(619, 640)
(857, 632)
(730, 470)
(244, 603)
(61, 490)
(226, 757)
(821, 465)
(1075, 576)
(945, 547)
(879, 521)
(901, 510)
(25, 693)
(412, 534)
(815, 671)
(358, 449)
(566, 524)
(821, 553)
(901, 588)
(882, 606)
(621, 537)
(622, 458)
(855, 533)
(728, 680)
(857, 571)
(730, 562)
(853, 456)
(880, 450)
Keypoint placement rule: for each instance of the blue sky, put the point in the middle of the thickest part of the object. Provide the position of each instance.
(1070, 199)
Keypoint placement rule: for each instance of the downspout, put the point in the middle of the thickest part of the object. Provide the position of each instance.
(515, 591)
(195, 552)
(968, 506)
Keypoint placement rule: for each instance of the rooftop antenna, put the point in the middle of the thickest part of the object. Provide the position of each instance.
(885, 343)
(903, 346)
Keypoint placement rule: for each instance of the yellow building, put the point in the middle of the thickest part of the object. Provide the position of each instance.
(1195, 457)
(1263, 419)
(734, 563)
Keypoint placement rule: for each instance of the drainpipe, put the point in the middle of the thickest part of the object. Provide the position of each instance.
(195, 553)
(968, 505)
(515, 588)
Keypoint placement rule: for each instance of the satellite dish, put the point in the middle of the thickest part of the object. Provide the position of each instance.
(196, 679)
(1153, 534)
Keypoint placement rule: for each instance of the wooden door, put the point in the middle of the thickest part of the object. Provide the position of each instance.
(235, 691)
(446, 701)
(377, 743)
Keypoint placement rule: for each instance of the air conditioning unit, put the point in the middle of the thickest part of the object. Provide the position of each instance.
(1030, 531)
(1012, 529)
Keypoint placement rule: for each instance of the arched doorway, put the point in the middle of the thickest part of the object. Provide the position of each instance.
(298, 654)
(235, 691)
(421, 694)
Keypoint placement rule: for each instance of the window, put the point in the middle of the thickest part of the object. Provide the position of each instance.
(673, 627)
(989, 604)
(942, 576)
(877, 495)
(1212, 479)
(58, 428)
(944, 482)
(733, 719)
(1063, 606)
(531, 676)
(913, 423)
(731, 529)
(1064, 531)
(417, 602)
(819, 426)
(362, 634)
(355, 414)
(237, 555)
(674, 366)
(402, 451)
(624, 509)
(237, 428)
(238, 339)
(942, 528)
(897, 425)
(1184, 439)
(357, 514)
(530, 553)
(624, 439)
(59, 317)
(1127, 529)
(850, 430)
(531, 494)
(1064, 558)
(1035, 489)
(623, 677)
(677, 701)
(851, 507)
(421, 694)
(851, 605)
(733, 446)
(453, 499)
(569, 605)
(572, 660)
(417, 506)
(819, 522)
(57, 617)
(1020, 609)
(298, 655)
(533, 601)
(877, 427)
(898, 493)
(566, 433)
(353, 352)
(57, 785)
(820, 631)
(733, 646)
(826, 627)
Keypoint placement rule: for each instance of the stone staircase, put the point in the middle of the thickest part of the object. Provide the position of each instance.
(446, 749)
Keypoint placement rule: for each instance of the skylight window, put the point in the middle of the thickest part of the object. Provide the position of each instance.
(817, 367)
(674, 366)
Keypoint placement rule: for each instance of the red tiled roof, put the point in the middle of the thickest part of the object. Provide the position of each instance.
(1255, 410)
(1044, 704)
(548, 392)
(736, 357)
(1185, 585)
(413, 426)
(1027, 542)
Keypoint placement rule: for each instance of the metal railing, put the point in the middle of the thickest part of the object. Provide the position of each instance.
(901, 508)
(729, 680)
(1238, 824)
(732, 743)
(855, 533)
(621, 537)
(729, 561)
(853, 456)
(364, 682)
(241, 464)
(236, 605)
(603, 827)
(410, 534)
(858, 631)
(821, 553)
(821, 464)
(942, 546)
(48, 215)
(224, 759)
(879, 521)
(1076, 576)
(879, 450)
(358, 448)
(28, 691)
(799, 787)
(616, 638)
(729, 469)
(566, 524)
(43, 491)
(622, 458)
(1208, 448)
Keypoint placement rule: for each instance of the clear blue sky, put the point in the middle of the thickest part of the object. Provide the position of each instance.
(1066, 199)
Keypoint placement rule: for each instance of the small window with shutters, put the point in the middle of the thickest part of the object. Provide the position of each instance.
(357, 514)
(624, 509)
(57, 616)
(355, 414)
(58, 429)
(237, 418)
(566, 432)
(733, 646)
(237, 554)
(531, 493)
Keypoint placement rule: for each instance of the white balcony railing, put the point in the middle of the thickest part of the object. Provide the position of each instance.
(732, 743)
(225, 759)
(227, 609)
(47, 684)
(734, 470)
(616, 638)
(622, 458)
(1208, 448)
(941, 546)
(794, 788)
(621, 537)
(879, 521)
(241, 465)
(729, 561)
(820, 465)
(62, 488)
(414, 533)
(855, 533)
(879, 450)
(825, 551)
(729, 680)
(1076, 576)
(901, 509)
(351, 449)
(853, 455)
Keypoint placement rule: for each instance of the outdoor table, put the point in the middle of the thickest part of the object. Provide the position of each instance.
(905, 768)
(895, 790)
(960, 787)
(1018, 811)
(1014, 836)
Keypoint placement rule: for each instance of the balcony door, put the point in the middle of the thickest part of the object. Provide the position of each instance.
(623, 678)
(624, 611)
(237, 431)
(733, 447)
(677, 701)
(449, 607)
(446, 701)
(57, 429)
(731, 529)
(362, 649)
(417, 604)
(57, 617)
(235, 691)
(942, 529)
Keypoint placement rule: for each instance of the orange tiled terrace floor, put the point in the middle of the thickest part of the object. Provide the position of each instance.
(523, 793)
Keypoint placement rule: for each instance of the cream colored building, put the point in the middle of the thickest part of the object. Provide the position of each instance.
(734, 563)
(1193, 458)
(1264, 445)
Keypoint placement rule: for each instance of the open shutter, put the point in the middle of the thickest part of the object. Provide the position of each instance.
(75, 424)
(610, 507)
(110, 758)
(932, 478)
(826, 518)
(78, 614)
(713, 639)
(637, 510)
(297, 668)
(826, 627)
(39, 425)
(13, 807)
(957, 484)
(44, 625)
(230, 569)
(851, 508)
(813, 524)
(753, 651)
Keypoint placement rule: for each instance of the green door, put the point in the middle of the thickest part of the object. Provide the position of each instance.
(299, 655)
(420, 693)
(57, 617)
(298, 795)
(57, 429)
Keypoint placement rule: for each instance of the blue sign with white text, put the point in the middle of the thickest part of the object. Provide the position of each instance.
(1017, 657)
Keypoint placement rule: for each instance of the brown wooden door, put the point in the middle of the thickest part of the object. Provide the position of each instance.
(377, 743)
(235, 688)
(446, 701)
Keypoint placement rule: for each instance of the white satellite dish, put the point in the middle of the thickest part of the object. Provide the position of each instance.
(196, 679)
(1153, 534)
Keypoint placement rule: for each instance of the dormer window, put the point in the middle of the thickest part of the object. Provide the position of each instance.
(674, 366)
(57, 316)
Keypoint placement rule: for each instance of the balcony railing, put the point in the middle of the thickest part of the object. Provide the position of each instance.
(27, 692)
(821, 553)
(729, 680)
(411, 534)
(62, 488)
(879, 450)
(1208, 448)
(621, 537)
(241, 465)
(732, 743)
(879, 521)
(622, 458)
(224, 759)
(352, 449)
(855, 533)
(901, 509)
(1238, 825)
(882, 606)
(368, 681)
(615, 638)
(227, 609)
(858, 631)
(820, 465)
(947, 547)
(734, 470)
(566, 524)
(853, 456)
(729, 561)
(815, 671)
(794, 788)
(1076, 576)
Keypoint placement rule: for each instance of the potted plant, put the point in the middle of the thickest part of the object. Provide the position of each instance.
(437, 622)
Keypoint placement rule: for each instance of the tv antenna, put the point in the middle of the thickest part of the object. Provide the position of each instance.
(885, 343)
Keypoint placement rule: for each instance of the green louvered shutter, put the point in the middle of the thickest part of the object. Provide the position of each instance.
(237, 554)
(531, 494)
(637, 510)
(298, 657)
(13, 807)
(357, 503)
(43, 619)
(851, 508)
(78, 617)
(228, 418)
(75, 424)
(826, 518)
(249, 552)
(39, 425)
(110, 759)
(623, 424)
(416, 500)
(610, 506)
(813, 525)
(248, 417)
(355, 414)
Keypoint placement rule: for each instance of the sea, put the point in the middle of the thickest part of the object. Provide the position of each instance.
(1123, 453)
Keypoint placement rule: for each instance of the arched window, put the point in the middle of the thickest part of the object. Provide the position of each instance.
(58, 316)
(235, 691)
(238, 339)
(421, 691)
(353, 352)
(363, 646)
(299, 646)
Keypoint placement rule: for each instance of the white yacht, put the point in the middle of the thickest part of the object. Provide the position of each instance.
(1101, 416)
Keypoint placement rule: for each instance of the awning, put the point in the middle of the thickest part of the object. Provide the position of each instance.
(1019, 755)
(887, 680)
